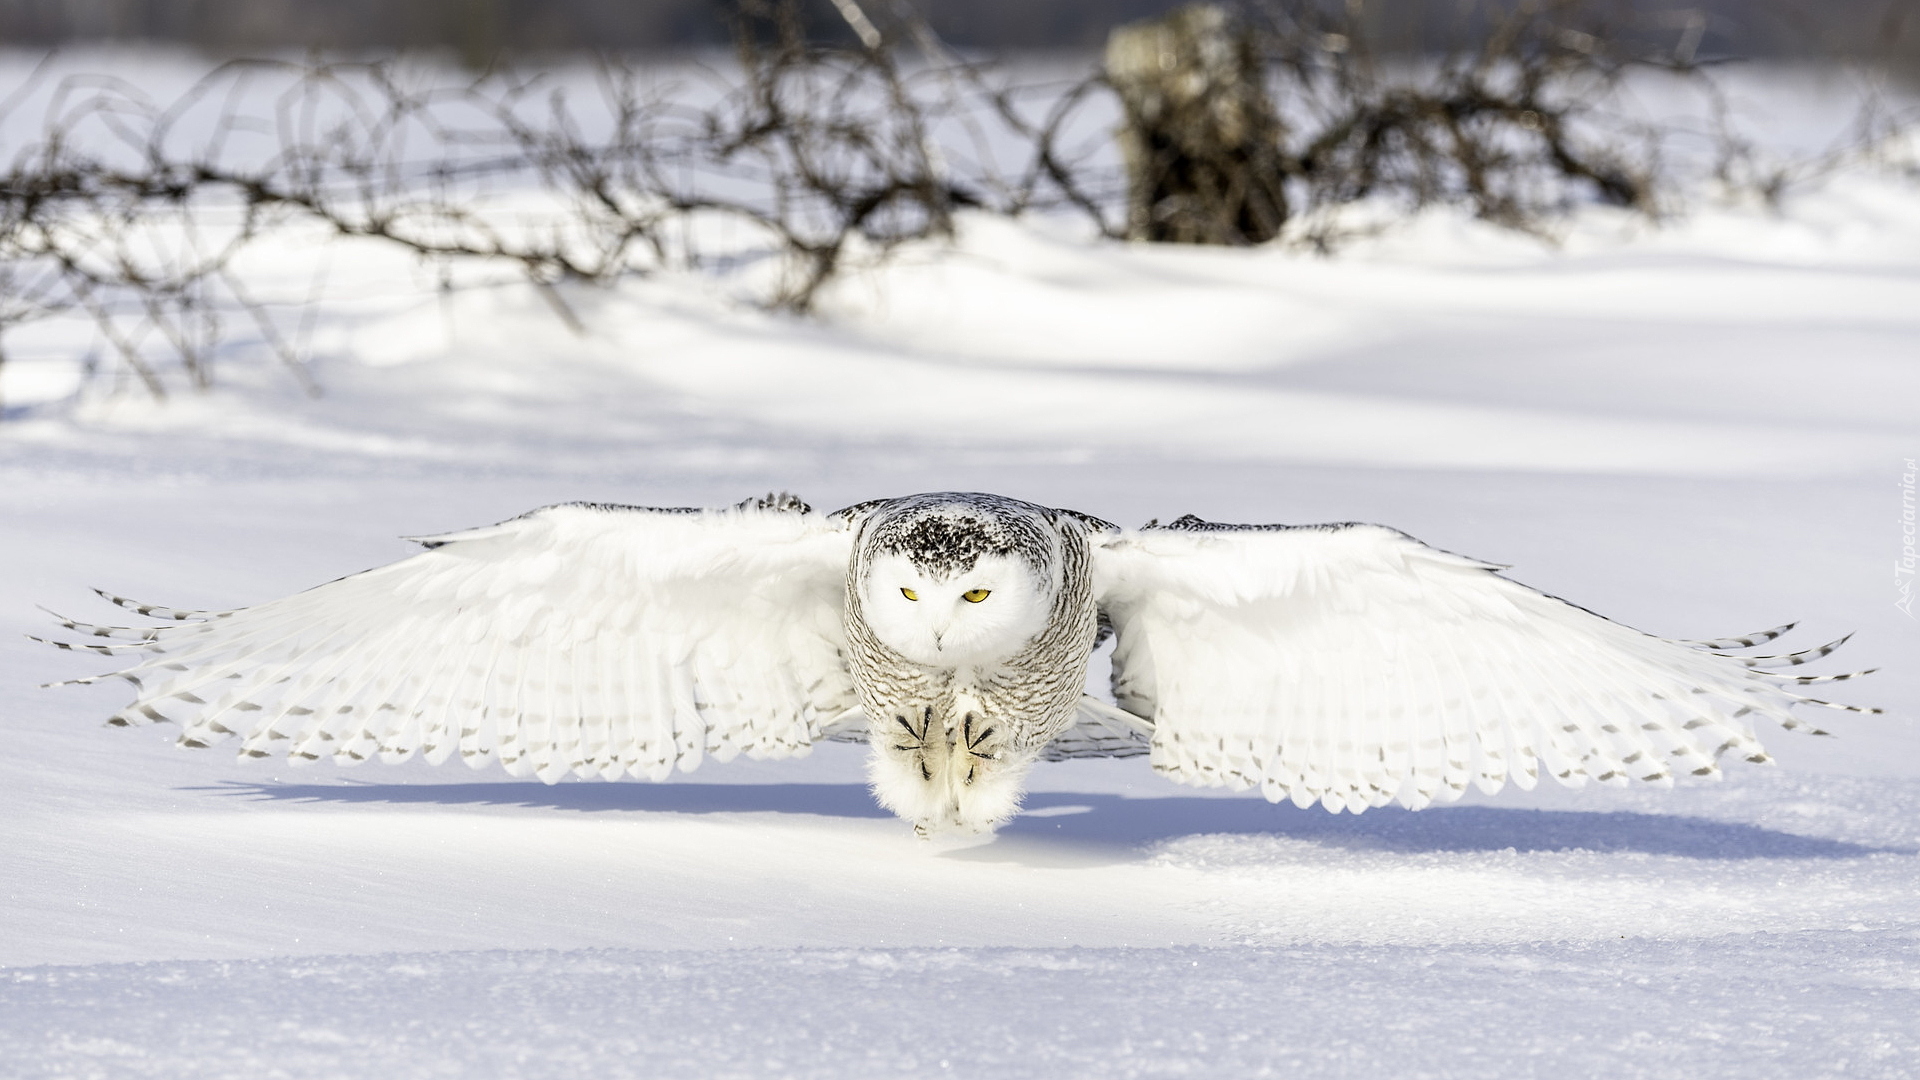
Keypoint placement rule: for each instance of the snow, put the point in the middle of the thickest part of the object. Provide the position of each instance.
(1698, 430)
(1815, 1004)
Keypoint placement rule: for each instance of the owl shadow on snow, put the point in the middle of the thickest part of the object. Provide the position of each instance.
(1077, 828)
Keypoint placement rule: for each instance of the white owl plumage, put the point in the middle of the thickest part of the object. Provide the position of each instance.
(1349, 665)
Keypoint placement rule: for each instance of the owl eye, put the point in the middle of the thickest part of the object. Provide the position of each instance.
(909, 594)
(974, 596)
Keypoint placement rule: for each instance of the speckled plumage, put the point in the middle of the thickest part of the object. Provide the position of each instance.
(1348, 665)
(958, 725)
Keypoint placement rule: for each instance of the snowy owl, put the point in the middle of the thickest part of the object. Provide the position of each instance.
(1349, 665)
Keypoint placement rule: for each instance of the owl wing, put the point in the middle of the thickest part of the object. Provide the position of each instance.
(1100, 731)
(1353, 665)
(583, 638)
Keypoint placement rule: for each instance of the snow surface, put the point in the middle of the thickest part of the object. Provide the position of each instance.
(1699, 430)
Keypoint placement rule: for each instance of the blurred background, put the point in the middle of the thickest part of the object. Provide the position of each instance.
(478, 30)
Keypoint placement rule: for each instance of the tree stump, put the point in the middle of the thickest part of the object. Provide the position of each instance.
(1201, 138)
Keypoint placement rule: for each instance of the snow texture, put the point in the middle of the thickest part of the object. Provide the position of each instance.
(1699, 431)
(1803, 1005)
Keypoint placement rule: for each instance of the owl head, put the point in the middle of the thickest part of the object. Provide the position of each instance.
(954, 616)
(950, 581)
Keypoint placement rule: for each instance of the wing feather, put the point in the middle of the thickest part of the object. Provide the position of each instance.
(601, 757)
(581, 639)
(1352, 665)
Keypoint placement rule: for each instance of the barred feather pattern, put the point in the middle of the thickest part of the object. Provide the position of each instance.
(1353, 666)
(1100, 730)
(953, 744)
(585, 639)
(1034, 695)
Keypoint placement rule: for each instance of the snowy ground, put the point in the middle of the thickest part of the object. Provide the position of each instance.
(1698, 431)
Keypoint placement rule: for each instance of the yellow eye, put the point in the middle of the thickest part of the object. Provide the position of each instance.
(909, 594)
(974, 596)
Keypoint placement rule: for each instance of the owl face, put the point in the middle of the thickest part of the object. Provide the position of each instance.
(982, 614)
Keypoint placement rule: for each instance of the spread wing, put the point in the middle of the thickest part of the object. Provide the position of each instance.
(598, 640)
(1353, 665)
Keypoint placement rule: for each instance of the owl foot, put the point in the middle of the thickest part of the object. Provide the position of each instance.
(947, 777)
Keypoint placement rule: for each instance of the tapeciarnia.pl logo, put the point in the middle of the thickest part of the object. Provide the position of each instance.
(1903, 566)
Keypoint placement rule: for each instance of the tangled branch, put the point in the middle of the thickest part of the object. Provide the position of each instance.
(815, 155)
